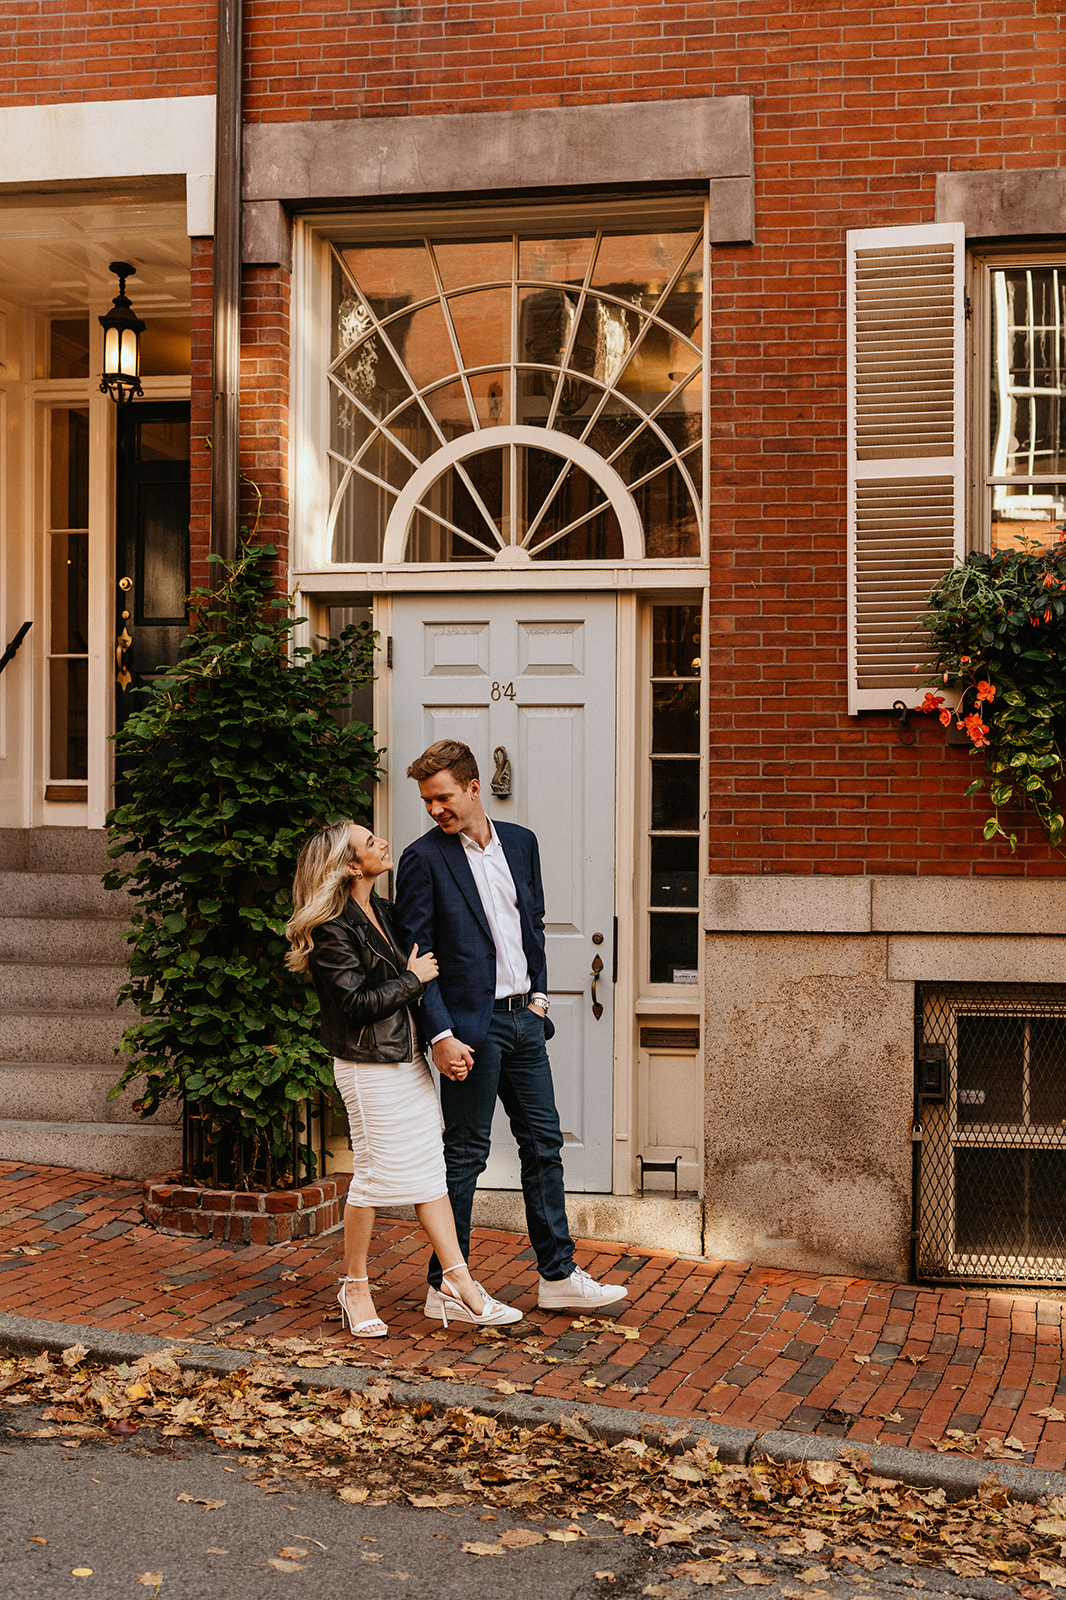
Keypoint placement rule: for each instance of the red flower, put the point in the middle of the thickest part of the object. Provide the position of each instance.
(945, 717)
(985, 691)
(931, 702)
(976, 729)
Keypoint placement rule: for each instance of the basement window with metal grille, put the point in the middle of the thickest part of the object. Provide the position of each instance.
(990, 1189)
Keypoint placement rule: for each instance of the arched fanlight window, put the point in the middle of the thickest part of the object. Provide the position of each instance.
(517, 399)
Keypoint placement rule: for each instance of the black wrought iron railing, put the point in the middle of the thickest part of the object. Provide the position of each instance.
(220, 1156)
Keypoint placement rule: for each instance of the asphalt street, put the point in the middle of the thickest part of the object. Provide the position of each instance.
(123, 1518)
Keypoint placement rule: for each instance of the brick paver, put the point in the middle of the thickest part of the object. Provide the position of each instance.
(744, 1344)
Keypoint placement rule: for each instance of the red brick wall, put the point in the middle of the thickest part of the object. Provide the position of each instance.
(53, 51)
(857, 108)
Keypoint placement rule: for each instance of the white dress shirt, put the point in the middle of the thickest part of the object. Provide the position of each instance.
(499, 900)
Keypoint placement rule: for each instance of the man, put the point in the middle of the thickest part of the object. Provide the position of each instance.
(471, 892)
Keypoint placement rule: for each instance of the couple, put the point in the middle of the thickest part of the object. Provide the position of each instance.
(472, 890)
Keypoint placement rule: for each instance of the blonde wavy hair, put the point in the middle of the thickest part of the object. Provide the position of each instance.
(320, 889)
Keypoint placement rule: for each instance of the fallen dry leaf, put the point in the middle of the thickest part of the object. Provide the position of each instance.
(281, 1565)
(292, 1552)
(150, 1580)
(518, 1538)
(476, 1547)
(701, 1573)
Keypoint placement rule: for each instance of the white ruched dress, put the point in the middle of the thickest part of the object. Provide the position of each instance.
(394, 1120)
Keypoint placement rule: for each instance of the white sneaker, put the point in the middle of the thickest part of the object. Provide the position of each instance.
(579, 1292)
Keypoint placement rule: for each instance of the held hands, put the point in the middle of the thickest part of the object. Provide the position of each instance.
(452, 1058)
(424, 967)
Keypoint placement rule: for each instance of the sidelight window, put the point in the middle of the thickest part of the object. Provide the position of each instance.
(68, 564)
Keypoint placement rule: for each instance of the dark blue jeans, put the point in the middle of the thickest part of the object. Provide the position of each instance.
(512, 1064)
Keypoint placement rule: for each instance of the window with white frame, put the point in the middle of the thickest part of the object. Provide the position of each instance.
(956, 429)
(528, 393)
(1023, 334)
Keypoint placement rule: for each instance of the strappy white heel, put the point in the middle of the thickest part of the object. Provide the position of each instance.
(493, 1313)
(372, 1328)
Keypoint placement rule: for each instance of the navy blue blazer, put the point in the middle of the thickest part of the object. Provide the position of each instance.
(440, 909)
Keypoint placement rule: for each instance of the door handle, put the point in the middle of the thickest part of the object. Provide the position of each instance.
(597, 968)
(123, 642)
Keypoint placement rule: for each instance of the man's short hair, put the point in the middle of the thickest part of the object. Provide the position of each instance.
(447, 755)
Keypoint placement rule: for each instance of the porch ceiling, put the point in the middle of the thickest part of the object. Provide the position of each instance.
(55, 250)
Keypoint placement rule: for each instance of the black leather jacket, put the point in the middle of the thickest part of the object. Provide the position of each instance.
(369, 999)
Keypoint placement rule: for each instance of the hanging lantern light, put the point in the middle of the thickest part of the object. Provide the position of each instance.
(122, 342)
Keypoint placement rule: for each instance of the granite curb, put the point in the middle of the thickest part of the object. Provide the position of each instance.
(958, 1476)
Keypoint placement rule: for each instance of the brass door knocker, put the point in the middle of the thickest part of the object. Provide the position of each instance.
(501, 778)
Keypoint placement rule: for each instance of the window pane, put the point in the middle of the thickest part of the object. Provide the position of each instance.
(163, 441)
(1026, 511)
(560, 496)
(638, 266)
(483, 327)
(1028, 433)
(990, 1069)
(675, 714)
(70, 468)
(675, 642)
(675, 795)
(422, 337)
(467, 261)
(388, 276)
(554, 260)
(68, 683)
(70, 593)
(674, 947)
(1047, 1071)
(675, 872)
(359, 705)
(68, 348)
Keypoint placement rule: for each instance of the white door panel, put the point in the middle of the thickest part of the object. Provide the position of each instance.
(536, 676)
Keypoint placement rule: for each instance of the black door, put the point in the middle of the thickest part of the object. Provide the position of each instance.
(152, 544)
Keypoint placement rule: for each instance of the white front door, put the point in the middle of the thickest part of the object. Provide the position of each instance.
(531, 683)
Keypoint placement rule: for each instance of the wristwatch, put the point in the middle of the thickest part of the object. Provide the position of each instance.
(542, 1001)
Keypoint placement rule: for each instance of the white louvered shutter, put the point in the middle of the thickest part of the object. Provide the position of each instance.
(906, 444)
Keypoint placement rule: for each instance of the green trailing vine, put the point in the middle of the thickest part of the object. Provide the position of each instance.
(998, 626)
(228, 762)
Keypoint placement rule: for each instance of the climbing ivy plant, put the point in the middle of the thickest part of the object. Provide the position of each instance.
(231, 759)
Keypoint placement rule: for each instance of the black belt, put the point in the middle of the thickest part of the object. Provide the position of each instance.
(512, 1002)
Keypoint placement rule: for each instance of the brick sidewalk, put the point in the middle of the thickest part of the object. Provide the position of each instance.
(752, 1346)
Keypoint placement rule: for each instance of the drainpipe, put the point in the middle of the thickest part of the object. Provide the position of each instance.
(226, 289)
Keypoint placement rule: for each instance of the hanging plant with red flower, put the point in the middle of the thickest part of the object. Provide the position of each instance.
(998, 625)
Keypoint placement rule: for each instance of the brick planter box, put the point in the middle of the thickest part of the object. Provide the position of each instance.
(243, 1217)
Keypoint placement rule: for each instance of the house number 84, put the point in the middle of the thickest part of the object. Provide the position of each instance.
(503, 691)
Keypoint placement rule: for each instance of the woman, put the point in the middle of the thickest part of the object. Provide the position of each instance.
(345, 937)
